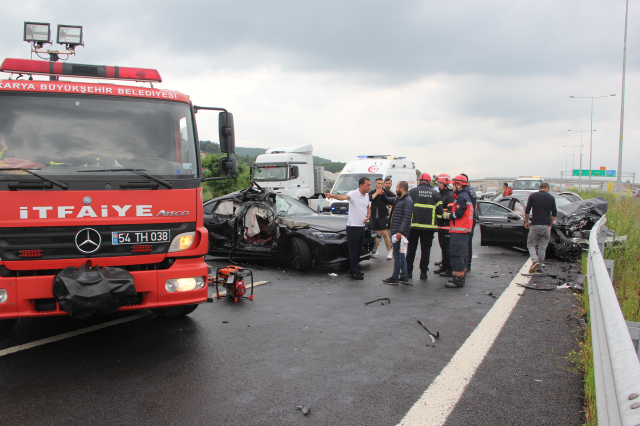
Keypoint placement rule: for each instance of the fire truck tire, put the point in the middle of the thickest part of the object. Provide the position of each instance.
(304, 201)
(299, 254)
(7, 325)
(174, 311)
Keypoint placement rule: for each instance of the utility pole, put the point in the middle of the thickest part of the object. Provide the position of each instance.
(624, 67)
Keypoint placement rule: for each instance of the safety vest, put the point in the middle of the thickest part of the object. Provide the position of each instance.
(465, 223)
(424, 208)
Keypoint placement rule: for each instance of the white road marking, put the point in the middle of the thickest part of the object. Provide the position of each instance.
(63, 336)
(52, 339)
(439, 400)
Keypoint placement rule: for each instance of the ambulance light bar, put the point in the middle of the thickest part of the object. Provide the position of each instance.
(30, 66)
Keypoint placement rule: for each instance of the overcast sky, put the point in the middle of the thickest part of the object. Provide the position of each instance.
(480, 87)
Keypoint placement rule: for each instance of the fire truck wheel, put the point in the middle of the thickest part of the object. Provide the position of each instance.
(174, 311)
(299, 254)
(304, 201)
(7, 325)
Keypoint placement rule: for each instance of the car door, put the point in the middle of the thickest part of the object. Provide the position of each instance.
(219, 219)
(499, 226)
(513, 232)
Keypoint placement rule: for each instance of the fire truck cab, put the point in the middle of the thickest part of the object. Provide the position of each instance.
(103, 178)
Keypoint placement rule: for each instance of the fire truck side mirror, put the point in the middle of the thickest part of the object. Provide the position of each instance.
(227, 133)
(228, 166)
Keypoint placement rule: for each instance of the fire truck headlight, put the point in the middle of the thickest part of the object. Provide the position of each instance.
(69, 34)
(3, 295)
(37, 31)
(184, 284)
(182, 242)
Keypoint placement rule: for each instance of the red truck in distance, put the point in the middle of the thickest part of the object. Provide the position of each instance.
(100, 178)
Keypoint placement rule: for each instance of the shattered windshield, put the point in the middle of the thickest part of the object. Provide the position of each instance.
(66, 134)
(270, 173)
(349, 182)
(288, 206)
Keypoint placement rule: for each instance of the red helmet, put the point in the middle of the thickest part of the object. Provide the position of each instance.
(461, 179)
(444, 179)
(425, 176)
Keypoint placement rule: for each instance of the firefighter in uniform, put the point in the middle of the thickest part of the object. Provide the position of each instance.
(460, 228)
(427, 207)
(446, 195)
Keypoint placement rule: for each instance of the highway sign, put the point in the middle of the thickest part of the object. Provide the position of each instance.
(600, 173)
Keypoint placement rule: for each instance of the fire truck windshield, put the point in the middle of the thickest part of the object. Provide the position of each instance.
(66, 134)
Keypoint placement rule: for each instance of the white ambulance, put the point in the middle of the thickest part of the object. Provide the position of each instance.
(372, 167)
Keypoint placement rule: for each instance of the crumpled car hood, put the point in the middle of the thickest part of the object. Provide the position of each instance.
(573, 225)
(574, 212)
(324, 223)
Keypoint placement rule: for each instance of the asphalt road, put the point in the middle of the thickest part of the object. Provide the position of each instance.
(307, 339)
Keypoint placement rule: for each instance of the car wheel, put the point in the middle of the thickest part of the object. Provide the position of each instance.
(174, 311)
(7, 325)
(299, 254)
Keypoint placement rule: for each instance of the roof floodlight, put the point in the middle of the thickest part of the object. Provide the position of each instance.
(70, 35)
(38, 32)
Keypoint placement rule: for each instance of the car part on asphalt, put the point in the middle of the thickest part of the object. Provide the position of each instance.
(437, 335)
(234, 280)
(377, 300)
(88, 290)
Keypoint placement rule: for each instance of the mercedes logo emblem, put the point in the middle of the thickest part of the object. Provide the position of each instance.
(88, 241)
(86, 201)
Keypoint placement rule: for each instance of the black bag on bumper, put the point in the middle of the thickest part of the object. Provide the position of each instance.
(84, 291)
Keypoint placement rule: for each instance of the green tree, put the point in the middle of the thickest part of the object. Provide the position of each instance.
(218, 188)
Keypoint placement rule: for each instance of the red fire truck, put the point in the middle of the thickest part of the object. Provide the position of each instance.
(101, 184)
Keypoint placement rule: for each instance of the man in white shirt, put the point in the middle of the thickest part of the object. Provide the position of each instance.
(359, 214)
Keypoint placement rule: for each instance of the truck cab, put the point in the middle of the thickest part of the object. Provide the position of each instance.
(527, 184)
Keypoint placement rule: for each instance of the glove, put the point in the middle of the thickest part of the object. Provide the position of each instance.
(446, 215)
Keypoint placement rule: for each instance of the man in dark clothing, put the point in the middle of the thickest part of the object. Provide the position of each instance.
(399, 227)
(380, 215)
(474, 201)
(544, 213)
(460, 228)
(507, 191)
(446, 196)
(427, 207)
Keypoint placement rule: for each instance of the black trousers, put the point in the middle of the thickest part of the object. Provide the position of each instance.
(444, 240)
(459, 247)
(355, 238)
(470, 252)
(425, 237)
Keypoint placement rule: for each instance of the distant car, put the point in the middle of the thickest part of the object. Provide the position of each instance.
(491, 193)
(258, 222)
(502, 223)
(479, 193)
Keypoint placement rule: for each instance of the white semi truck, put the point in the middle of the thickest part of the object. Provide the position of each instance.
(289, 170)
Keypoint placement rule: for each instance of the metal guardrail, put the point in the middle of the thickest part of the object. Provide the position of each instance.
(616, 365)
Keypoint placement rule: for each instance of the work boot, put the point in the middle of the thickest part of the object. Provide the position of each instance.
(446, 274)
(410, 274)
(441, 270)
(423, 275)
(457, 281)
(404, 280)
(438, 263)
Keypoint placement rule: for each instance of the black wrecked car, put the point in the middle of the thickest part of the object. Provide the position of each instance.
(502, 223)
(257, 222)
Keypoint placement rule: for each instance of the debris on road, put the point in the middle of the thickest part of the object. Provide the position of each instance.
(437, 335)
(581, 321)
(377, 300)
(333, 274)
(535, 287)
(489, 294)
(304, 409)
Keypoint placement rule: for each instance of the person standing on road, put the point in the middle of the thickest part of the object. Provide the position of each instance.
(400, 225)
(380, 199)
(544, 213)
(474, 201)
(444, 239)
(359, 214)
(507, 191)
(427, 207)
(461, 222)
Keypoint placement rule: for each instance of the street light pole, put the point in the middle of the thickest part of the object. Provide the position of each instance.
(591, 134)
(566, 166)
(624, 67)
(580, 174)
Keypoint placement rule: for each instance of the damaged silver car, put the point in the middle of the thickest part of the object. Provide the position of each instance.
(260, 223)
